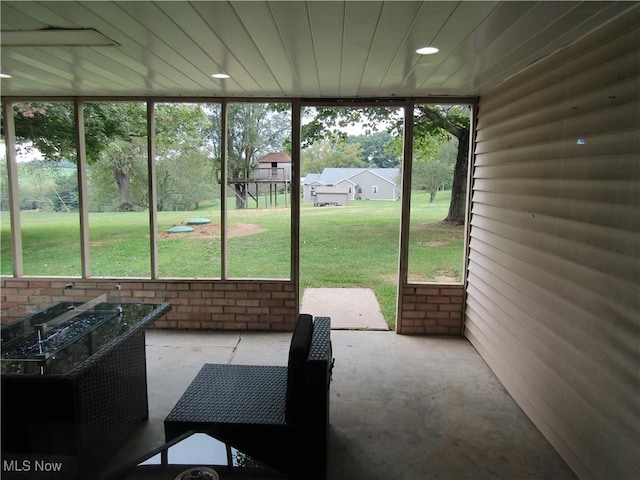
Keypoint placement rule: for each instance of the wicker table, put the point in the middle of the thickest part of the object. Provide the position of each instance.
(81, 400)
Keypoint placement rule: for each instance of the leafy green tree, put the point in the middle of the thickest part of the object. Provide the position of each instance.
(324, 154)
(115, 139)
(36, 187)
(50, 127)
(254, 129)
(125, 161)
(454, 120)
(433, 172)
(429, 121)
(186, 158)
(376, 149)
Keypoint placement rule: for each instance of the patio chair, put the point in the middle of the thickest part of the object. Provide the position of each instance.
(278, 415)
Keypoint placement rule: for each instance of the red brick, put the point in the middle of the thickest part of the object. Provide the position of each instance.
(164, 324)
(235, 325)
(189, 294)
(411, 330)
(449, 322)
(235, 310)
(212, 325)
(190, 324)
(428, 291)
(438, 315)
(451, 308)
(454, 291)
(213, 294)
(438, 299)
(427, 307)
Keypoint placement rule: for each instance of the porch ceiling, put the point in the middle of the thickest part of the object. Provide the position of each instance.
(308, 49)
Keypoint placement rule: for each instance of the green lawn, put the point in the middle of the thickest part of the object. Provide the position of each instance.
(354, 246)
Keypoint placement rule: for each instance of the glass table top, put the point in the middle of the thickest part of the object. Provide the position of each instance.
(61, 335)
(197, 456)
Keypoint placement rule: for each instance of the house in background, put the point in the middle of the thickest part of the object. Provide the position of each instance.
(362, 183)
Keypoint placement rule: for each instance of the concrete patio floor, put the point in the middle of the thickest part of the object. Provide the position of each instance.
(402, 407)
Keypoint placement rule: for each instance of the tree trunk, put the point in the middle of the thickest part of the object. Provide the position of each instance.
(241, 196)
(457, 207)
(122, 180)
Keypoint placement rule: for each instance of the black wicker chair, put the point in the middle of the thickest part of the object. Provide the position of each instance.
(278, 415)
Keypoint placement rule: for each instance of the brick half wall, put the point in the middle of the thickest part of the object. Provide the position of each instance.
(431, 310)
(197, 305)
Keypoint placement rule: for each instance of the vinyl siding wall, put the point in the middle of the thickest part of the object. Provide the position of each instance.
(553, 296)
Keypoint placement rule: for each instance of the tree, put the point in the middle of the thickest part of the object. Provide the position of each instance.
(454, 120)
(186, 156)
(432, 173)
(429, 121)
(124, 161)
(115, 140)
(254, 129)
(376, 149)
(111, 129)
(325, 154)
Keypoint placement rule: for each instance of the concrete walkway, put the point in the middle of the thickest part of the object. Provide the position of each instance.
(402, 407)
(349, 308)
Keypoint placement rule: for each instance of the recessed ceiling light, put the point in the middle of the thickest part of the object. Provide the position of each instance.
(221, 75)
(4, 75)
(427, 50)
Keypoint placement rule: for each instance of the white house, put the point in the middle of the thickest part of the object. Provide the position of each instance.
(361, 183)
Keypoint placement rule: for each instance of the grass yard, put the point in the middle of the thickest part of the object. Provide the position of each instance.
(354, 246)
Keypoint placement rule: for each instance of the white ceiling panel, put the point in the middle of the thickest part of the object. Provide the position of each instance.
(311, 49)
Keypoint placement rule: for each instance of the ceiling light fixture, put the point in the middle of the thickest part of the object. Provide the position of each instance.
(427, 50)
(221, 75)
(55, 37)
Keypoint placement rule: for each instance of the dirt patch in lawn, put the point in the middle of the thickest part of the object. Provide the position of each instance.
(212, 230)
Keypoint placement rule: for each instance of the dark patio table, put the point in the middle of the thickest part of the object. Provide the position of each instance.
(73, 394)
(200, 455)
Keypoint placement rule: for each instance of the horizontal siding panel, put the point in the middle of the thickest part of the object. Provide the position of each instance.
(553, 295)
(549, 378)
(611, 167)
(597, 145)
(589, 260)
(581, 57)
(624, 242)
(591, 295)
(545, 89)
(623, 90)
(602, 191)
(623, 117)
(481, 337)
(622, 217)
(536, 328)
(571, 413)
